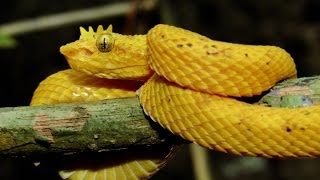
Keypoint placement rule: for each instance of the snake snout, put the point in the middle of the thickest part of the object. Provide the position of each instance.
(67, 51)
(71, 52)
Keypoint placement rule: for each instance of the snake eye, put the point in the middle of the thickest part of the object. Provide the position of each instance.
(105, 42)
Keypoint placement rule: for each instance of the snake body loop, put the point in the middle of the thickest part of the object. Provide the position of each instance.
(191, 91)
(199, 63)
(210, 70)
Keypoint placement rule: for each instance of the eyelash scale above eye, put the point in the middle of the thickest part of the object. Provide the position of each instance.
(105, 42)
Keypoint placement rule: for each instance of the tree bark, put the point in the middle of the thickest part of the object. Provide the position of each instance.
(66, 129)
(294, 93)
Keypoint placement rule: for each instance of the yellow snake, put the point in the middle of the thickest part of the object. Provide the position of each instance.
(189, 94)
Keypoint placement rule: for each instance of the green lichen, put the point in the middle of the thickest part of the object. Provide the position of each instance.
(294, 93)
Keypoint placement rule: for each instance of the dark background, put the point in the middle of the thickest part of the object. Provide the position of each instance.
(292, 25)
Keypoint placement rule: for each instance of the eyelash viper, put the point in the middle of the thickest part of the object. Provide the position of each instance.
(189, 94)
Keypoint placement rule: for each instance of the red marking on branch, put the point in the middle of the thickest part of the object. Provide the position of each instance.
(44, 125)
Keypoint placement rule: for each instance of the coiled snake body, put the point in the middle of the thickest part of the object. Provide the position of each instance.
(189, 94)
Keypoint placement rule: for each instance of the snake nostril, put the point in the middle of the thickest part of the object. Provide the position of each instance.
(86, 52)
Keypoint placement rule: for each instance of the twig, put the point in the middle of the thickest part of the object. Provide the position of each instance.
(72, 17)
(201, 165)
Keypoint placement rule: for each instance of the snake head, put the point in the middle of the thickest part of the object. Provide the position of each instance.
(106, 54)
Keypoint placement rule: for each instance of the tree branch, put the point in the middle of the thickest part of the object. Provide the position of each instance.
(111, 125)
(67, 129)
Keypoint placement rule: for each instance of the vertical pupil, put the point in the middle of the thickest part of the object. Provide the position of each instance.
(104, 43)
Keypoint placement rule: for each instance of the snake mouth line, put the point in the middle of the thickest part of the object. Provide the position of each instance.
(87, 65)
(141, 72)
